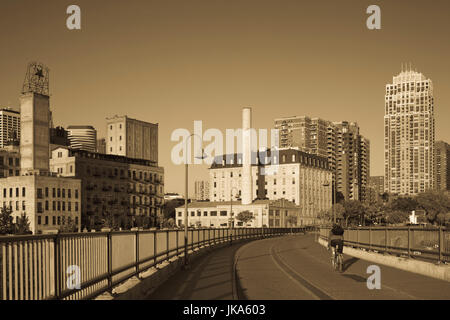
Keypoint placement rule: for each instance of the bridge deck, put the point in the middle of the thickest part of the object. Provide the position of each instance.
(291, 268)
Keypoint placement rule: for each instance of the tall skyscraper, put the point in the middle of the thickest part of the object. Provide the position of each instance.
(9, 126)
(132, 138)
(82, 138)
(201, 190)
(348, 152)
(442, 165)
(409, 134)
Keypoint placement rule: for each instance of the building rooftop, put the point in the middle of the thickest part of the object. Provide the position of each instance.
(80, 127)
(284, 157)
(215, 204)
(108, 157)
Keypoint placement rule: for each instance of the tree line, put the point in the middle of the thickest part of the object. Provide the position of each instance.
(432, 207)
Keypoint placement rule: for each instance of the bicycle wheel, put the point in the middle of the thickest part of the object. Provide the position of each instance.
(340, 263)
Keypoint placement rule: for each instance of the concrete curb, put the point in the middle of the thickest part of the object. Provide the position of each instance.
(441, 272)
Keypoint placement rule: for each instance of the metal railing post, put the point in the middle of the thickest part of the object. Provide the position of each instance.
(409, 242)
(109, 247)
(155, 248)
(357, 237)
(176, 236)
(167, 243)
(370, 238)
(56, 253)
(385, 239)
(441, 244)
(137, 252)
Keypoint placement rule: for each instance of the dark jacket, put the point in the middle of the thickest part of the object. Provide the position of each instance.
(332, 236)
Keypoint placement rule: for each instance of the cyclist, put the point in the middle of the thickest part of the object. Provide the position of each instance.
(336, 238)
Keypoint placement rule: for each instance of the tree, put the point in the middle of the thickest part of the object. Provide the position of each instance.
(69, 227)
(434, 203)
(385, 197)
(396, 217)
(354, 210)
(339, 197)
(170, 206)
(6, 221)
(245, 216)
(23, 225)
(405, 204)
(292, 220)
(108, 221)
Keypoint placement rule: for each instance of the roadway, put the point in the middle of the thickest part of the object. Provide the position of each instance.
(291, 268)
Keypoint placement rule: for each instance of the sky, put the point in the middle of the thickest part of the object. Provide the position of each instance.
(173, 62)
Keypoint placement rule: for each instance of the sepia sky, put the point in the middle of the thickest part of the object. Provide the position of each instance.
(173, 62)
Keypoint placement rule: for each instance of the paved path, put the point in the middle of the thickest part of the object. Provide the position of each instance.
(210, 277)
(297, 267)
(290, 268)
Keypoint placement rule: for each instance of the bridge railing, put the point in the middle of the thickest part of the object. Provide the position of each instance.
(45, 266)
(421, 242)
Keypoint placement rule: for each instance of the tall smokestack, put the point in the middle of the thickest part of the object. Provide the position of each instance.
(247, 185)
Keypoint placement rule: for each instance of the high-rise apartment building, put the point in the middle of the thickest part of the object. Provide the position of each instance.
(442, 165)
(132, 138)
(9, 126)
(201, 190)
(305, 133)
(82, 138)
(409, 134)
(348, 152)
(349, 155)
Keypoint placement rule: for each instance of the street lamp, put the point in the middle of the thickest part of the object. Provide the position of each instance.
(231, 220)
(186, 199)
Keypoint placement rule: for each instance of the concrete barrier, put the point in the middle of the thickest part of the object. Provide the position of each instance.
(441, 271)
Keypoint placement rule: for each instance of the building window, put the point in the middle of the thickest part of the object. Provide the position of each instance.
(46, 192)
(46, 205)
(39, 220)
(53, 220)
(46, 220)
(23, 205)
(76, 193)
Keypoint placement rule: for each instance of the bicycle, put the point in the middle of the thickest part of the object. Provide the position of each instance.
(337, 259)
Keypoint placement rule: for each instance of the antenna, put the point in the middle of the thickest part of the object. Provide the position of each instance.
(36, 79)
